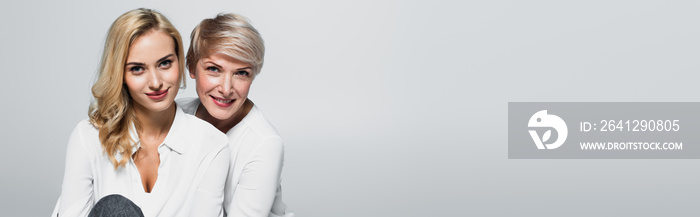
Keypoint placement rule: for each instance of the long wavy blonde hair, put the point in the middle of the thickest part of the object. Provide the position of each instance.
(111, 112)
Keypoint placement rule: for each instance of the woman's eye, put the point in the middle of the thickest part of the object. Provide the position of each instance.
(165, 64)
(243, 73)
(212, 69)
(136, 69)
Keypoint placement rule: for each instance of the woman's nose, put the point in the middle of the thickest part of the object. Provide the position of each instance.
(154, 80)
(226, 86)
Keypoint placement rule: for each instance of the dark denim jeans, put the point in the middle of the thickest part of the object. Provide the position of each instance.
(115, 206)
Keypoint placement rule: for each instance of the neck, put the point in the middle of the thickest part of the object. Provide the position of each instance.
(154, 125)
(226, 124)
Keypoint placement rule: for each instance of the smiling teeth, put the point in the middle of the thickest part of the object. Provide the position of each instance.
(223, 101)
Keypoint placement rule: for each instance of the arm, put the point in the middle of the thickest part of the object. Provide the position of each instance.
(76, 193)
(259, 181)
(209, 196)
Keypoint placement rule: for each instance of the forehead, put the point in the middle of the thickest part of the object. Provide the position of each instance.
(224, 60)
(150, 47)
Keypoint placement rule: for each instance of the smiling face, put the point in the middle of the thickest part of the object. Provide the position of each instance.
(151, 72)
(222, 85)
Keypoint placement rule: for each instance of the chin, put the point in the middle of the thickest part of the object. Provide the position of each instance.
(222, 115)
(161, 108)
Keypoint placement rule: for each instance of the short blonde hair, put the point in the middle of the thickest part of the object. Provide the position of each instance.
(111, 111)
(228, 34)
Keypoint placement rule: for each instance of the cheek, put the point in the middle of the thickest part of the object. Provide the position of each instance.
(173, 75)
(242, 88)
(132, 83)
(202, 86)
(207, 83)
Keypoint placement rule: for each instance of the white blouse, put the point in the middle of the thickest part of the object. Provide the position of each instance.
(194, 162)
(253, 185)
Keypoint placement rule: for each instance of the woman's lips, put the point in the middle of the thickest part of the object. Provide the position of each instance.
(157, 95)
(221, 102)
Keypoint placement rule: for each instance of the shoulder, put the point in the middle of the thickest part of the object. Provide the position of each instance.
(256, 122)
(255, 133)
(188, 105)
(85, 126)
(85, 136)
(201, 133)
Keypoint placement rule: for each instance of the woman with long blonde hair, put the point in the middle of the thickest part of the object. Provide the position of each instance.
(137, 143)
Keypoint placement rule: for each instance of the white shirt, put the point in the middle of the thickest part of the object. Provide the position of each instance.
(194, 161)
(253, 186)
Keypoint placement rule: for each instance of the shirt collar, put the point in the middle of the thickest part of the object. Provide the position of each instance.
(243, 121)
(174, 138)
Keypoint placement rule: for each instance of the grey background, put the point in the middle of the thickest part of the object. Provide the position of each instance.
(522, 146)
(387, 108)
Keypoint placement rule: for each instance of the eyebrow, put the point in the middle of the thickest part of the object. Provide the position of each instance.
(217, 65)
(213, 63)
(143, 64)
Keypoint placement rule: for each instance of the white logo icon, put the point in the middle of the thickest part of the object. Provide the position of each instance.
(542, 119)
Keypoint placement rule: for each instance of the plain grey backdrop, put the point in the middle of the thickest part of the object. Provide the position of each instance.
(387, 108)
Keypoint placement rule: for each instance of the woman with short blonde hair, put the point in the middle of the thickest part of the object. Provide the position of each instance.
(225, 55)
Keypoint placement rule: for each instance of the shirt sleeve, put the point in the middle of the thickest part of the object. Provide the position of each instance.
(260, 178)
(209, 196)
(76, 192)
(279, 209)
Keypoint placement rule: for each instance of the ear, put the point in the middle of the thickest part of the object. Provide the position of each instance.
(192, 73)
